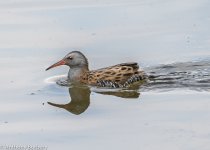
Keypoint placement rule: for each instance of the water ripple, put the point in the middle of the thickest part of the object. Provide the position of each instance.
(189, 75)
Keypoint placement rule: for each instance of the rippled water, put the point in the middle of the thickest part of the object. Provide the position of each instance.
(169, 111)
(187, 75)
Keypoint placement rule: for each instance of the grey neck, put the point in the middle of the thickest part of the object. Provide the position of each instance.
(75, 73)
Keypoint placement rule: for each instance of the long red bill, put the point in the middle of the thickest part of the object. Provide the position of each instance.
(62, 62)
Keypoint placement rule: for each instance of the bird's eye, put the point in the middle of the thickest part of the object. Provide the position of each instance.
(70, 58)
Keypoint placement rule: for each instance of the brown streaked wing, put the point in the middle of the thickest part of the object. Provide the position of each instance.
(118, 73)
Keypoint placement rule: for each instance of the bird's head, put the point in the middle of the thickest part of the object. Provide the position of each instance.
(74, 59)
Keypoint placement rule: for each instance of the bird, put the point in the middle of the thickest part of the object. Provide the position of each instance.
(116, 76)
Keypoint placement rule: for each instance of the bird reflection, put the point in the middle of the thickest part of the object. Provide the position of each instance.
(80, 98)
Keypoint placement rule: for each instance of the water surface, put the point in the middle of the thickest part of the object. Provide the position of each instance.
(169, 39)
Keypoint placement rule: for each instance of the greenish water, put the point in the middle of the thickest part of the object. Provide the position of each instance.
(169, 39)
